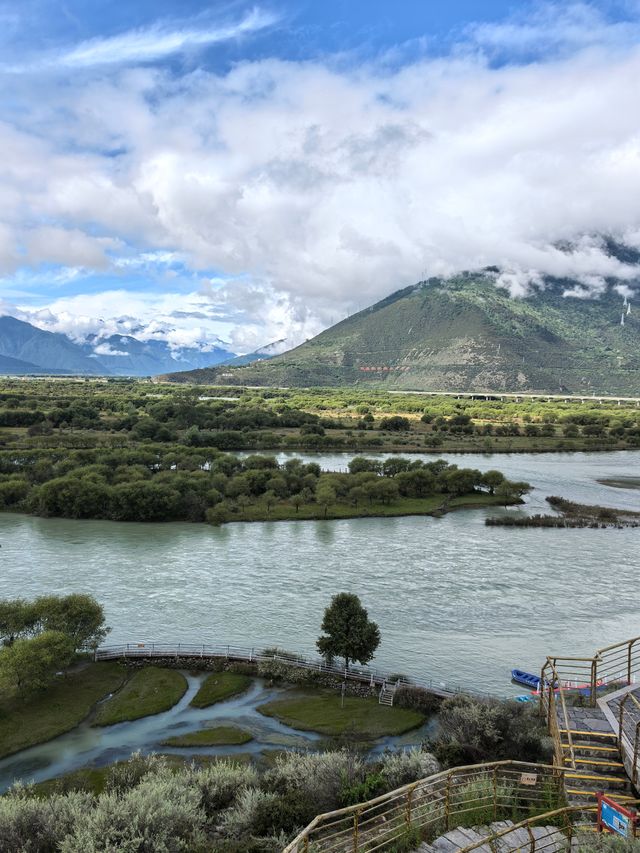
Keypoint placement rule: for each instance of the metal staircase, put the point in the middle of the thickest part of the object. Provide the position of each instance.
(500, 836)
(387, 694)
(594, 764)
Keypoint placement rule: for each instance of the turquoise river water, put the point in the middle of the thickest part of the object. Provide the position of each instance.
(456, 601)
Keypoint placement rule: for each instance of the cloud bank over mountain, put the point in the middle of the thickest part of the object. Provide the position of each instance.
(288, 194)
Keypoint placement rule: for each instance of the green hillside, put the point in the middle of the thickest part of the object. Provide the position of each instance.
(464, 334)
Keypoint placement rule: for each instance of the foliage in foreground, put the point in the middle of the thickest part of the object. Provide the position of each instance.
(148, 806)
(472, 731)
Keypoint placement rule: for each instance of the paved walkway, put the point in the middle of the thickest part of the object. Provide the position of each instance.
(585, 719)
(547, 838)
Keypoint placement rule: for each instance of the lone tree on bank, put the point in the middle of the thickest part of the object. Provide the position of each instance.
(349, 633)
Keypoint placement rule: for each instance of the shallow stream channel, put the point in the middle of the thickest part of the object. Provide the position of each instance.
(96, 746)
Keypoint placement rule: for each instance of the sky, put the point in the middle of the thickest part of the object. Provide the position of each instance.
(250, 172)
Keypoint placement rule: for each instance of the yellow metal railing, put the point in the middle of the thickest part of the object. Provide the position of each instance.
(470, 796)
(616, 664)
(552, 701)
(561, 819)
(630, 746)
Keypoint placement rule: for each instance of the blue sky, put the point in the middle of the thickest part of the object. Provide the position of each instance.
(254, 171)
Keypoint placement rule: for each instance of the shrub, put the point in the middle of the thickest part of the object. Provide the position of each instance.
(126, 775)
(248, 811)
(28, 823)
(319, 777)
(417, 699)
(219, 784)
(401, 767)
(473, 731)
(160, 814)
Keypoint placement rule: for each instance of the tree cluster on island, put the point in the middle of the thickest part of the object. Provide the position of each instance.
(156, 483)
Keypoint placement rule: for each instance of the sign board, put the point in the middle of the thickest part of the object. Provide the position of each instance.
(528, 778)
(615, 818)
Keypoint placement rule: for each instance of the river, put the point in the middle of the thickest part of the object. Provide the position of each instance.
(456, 601)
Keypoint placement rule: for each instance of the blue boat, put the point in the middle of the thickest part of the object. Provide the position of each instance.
(526, 678)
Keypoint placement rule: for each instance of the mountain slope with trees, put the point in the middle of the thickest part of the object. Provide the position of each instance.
(465, 334)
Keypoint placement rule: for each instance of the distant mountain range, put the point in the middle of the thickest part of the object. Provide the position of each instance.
(466, 334)
(261, 354)
(25, 349)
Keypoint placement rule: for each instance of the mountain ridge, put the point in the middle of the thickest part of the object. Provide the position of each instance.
(465, 333)
(26, 349)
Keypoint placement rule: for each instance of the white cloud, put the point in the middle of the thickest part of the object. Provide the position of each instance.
(149, 44)
(323, 188)
(551, 26)
(105, 349)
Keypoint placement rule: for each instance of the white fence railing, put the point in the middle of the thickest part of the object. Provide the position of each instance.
(374, 677)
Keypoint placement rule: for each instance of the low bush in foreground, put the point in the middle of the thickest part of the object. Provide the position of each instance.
(148, 805)
(471, 731)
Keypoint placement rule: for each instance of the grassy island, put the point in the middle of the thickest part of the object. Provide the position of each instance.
(218, 736)
(64, 704)
(325, 711)
(220, 686)
(149, 691)
(572, 515)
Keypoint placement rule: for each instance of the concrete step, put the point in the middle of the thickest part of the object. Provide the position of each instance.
(548, 839)
(589, 777)
(596, 748)
(605, 736)
(606, 764)
(577, 794)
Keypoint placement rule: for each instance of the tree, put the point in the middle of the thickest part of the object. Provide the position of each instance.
(297, 499)
(395, 423)
(269, 498)
(349, 633)
(77, 616)
(325, 496)
(358, 494)
(510, 492)
(28, 665)
(17, 619)
(492, 479)
(361, 463)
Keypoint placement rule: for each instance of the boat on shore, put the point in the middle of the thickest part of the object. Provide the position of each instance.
(526, 678)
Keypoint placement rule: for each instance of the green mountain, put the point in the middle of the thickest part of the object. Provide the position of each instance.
(465, 334)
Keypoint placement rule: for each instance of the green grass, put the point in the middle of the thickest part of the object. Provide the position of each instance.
(322, 712)
(403, 507)
(220, 686)
(218, 736)
(58, 709)
(149, 691)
